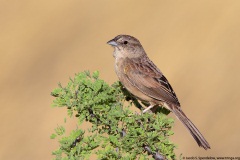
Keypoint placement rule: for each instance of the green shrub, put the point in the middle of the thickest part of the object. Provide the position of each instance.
(115, 132)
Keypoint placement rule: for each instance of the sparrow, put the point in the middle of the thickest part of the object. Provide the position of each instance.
(141, 77)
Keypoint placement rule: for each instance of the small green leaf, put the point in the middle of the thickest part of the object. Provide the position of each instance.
(95, 74)
(60, 130)
(53, 136)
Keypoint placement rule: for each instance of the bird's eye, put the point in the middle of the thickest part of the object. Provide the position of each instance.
(125, 42)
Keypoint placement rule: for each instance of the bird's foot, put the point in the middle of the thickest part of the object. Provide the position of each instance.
(148, 108)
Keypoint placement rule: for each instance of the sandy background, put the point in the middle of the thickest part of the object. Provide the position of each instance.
(195, 43)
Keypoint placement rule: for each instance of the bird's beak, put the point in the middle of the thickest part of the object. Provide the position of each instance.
(112, 43)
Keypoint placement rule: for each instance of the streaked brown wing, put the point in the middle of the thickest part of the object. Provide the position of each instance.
(145, 76)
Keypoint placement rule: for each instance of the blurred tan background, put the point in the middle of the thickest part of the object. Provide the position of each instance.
(195, 43)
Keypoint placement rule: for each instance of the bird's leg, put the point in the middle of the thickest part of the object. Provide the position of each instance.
(148, 108)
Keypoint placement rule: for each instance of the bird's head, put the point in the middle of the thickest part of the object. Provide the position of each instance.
(126, 46)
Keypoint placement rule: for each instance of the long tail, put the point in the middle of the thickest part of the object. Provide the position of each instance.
(191, 127)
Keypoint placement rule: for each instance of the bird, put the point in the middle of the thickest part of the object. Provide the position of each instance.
(142, 78)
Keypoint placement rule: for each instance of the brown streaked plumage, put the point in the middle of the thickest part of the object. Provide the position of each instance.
(143, 79)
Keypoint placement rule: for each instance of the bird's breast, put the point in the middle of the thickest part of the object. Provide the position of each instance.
(120, 65)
